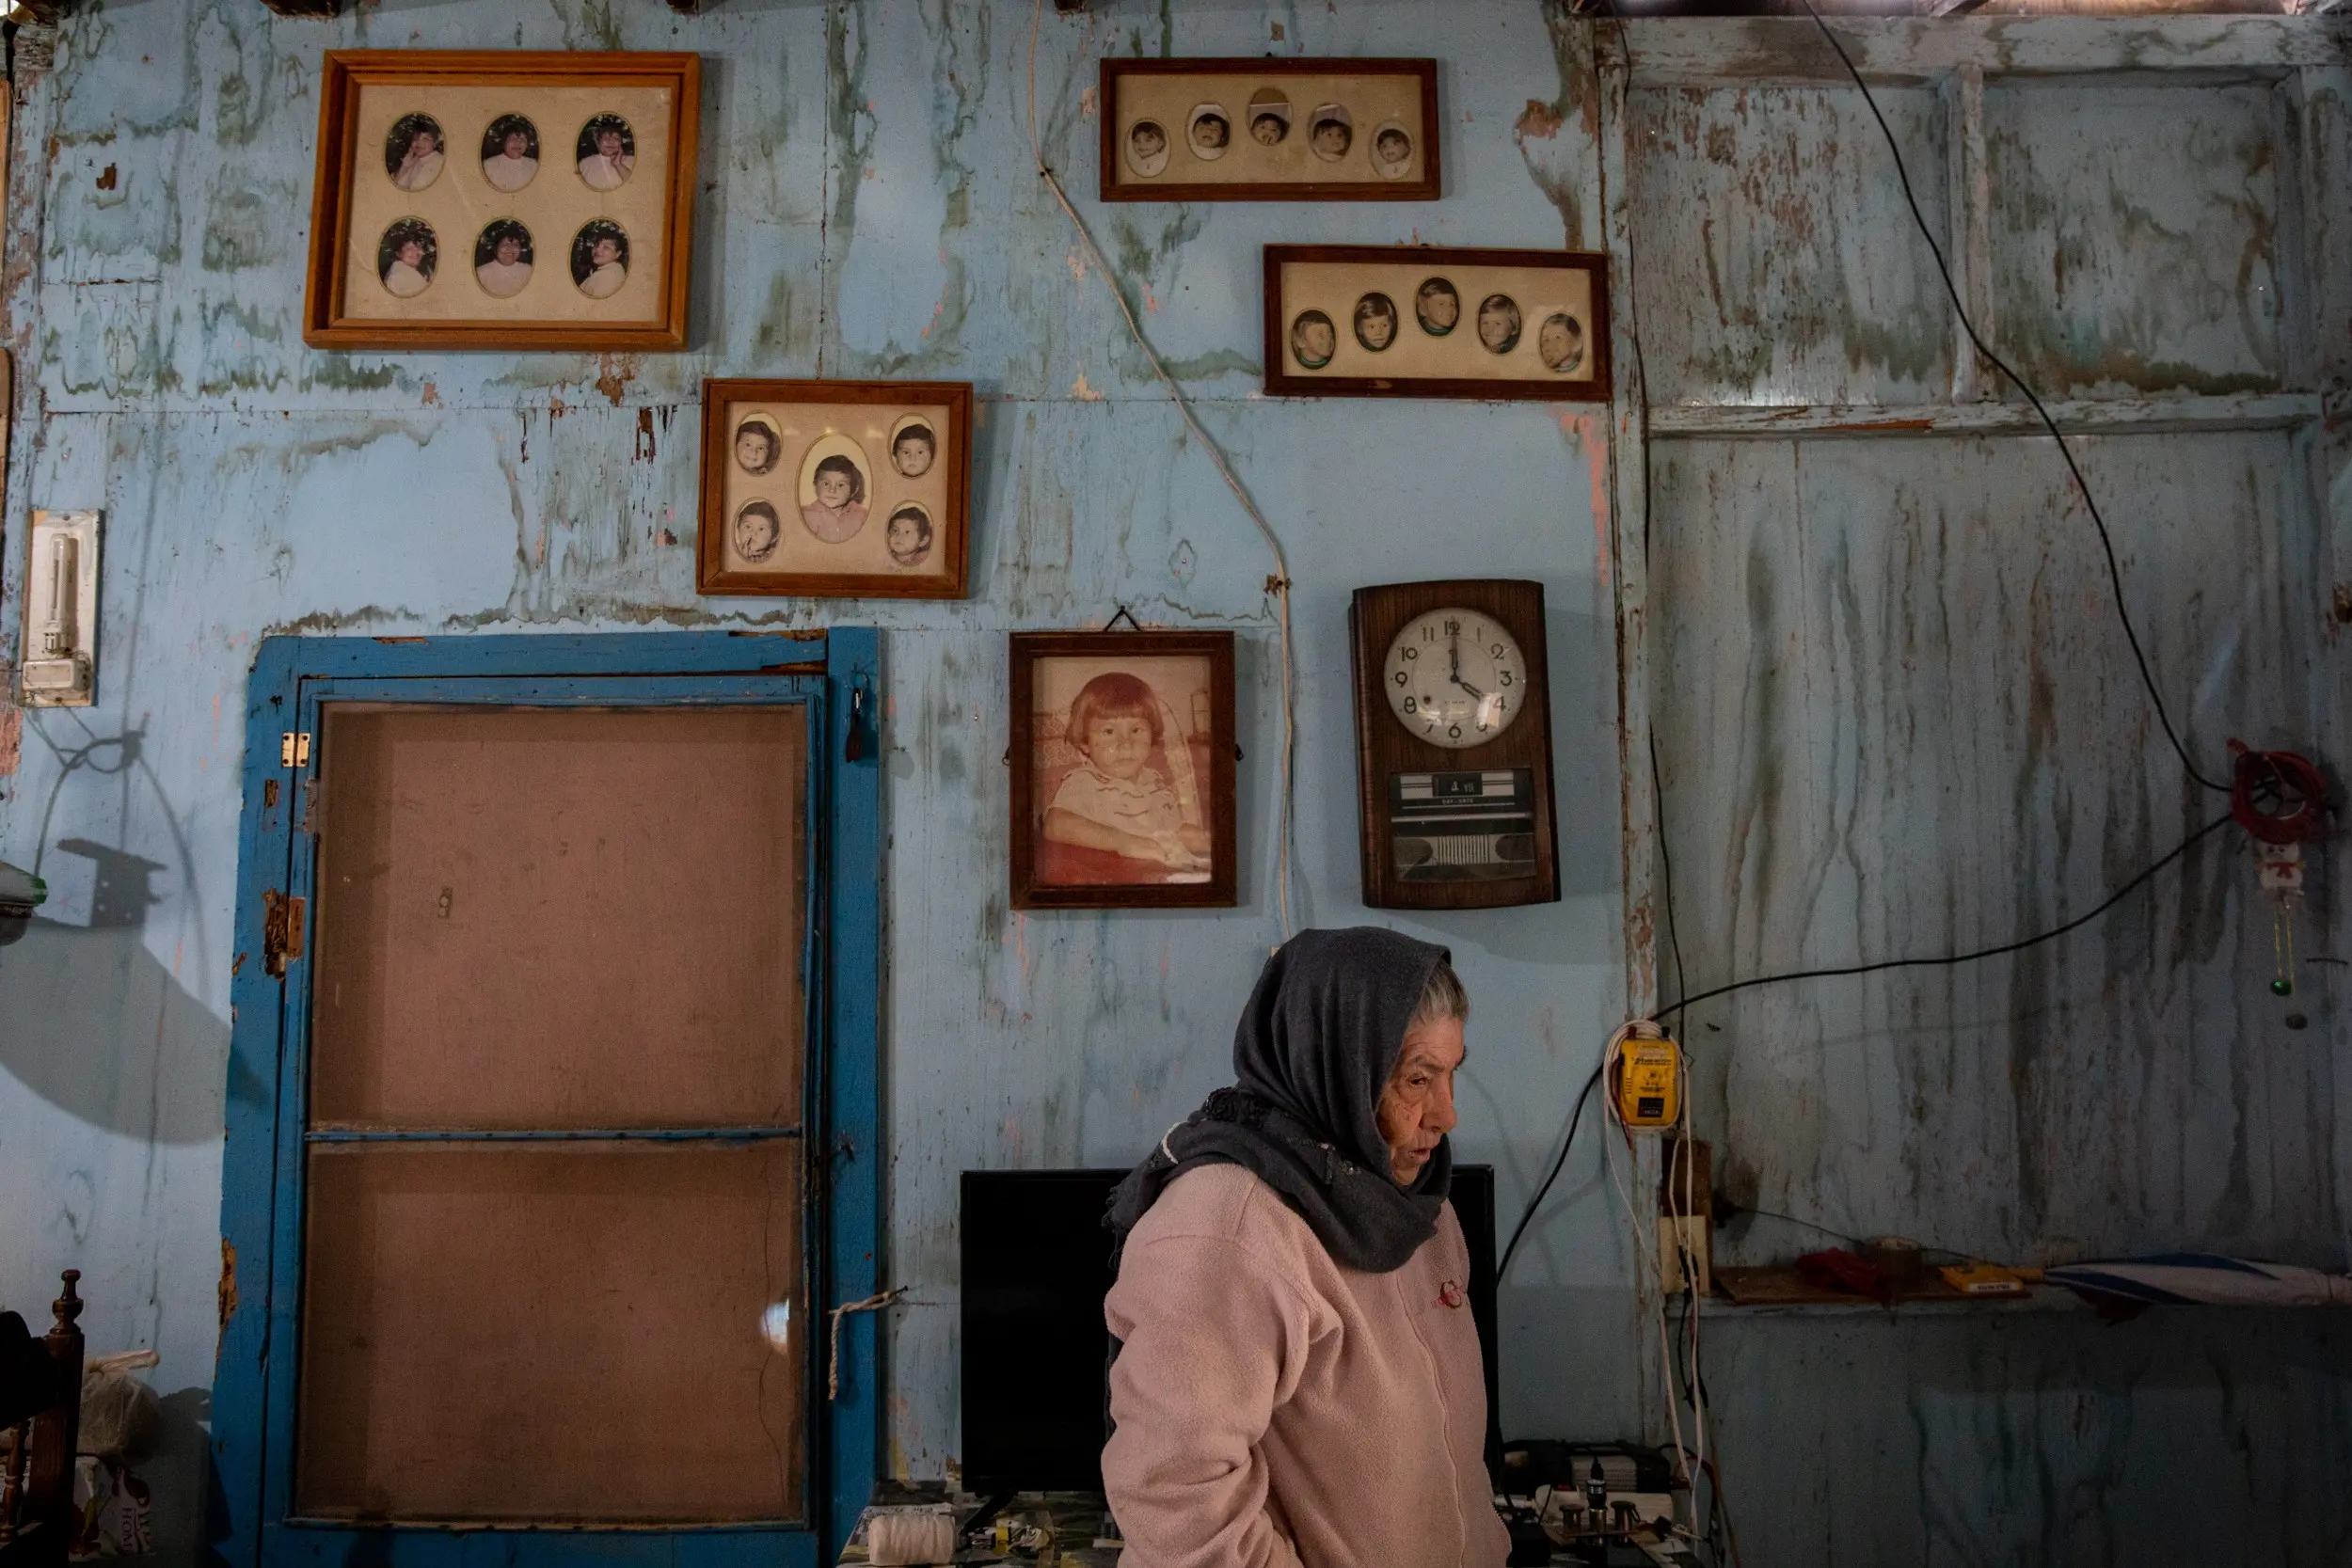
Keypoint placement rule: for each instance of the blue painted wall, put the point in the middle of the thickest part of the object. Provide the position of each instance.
(869, 209)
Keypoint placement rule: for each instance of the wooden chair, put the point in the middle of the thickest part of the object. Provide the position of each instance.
(37, 1517)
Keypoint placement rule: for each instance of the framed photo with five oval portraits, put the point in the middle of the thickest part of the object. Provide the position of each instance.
(1417, 321)
(1269, 130)
(835, 489)
(502, 200)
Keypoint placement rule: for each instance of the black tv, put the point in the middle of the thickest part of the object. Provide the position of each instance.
(1035, 1267)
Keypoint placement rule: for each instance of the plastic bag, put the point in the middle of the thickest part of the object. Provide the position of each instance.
(121, 1417)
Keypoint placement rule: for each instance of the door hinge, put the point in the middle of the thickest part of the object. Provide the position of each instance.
(310, 806)
(281, 931)
(293, 748)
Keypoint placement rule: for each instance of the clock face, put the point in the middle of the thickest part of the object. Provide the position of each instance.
(1455, 677)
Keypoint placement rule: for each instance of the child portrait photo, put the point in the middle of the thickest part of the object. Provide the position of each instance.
(836, 489)
(1482, 324)
(418, 148)
(1123, 769)
(1268, 130)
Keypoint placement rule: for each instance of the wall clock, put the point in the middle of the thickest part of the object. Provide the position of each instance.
(1453, 745)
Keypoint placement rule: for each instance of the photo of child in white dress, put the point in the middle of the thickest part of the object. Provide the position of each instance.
(1331, 131)
(501, 258)
(1269, 117)
(413, 151)
(405, 257)
(1391, 152)
(510, 154)
(601, 259)
(1210, 132)
(607, 152)
(1120, 772)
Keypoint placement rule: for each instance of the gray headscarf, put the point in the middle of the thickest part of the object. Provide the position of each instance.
(1313, 1050)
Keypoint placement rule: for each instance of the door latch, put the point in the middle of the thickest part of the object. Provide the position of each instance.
(281, 931)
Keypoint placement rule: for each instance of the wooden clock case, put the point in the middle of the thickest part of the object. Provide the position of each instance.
(1385, 749)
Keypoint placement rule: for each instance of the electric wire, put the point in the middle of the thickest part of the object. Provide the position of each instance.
(1279, 585)
(1984, 350)
(1952, 959)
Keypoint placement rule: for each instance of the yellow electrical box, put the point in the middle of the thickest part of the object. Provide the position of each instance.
(1648, 1083)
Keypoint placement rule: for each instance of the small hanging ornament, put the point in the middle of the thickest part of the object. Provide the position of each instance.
(2282, 879)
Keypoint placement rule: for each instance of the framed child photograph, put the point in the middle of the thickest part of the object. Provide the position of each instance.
(479, 199)
(835, 489)
(1123, 770)
(1268, 130)
(1399, 321)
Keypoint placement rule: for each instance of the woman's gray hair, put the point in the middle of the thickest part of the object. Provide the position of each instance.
(1441, 999)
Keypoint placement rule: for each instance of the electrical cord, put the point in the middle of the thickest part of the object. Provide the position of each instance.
(1279, 585)
(1952, 959)
(1984, 351)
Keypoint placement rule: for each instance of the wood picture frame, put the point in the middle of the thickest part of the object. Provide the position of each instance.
(1108, 822)
(1550, 321)
(436, 220)
(889, 522)
(1467, 825)
(1378, 105)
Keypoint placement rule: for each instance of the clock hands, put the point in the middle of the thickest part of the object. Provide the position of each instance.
(1454, 651)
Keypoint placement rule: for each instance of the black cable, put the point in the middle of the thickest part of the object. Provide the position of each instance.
(1537, 1201)
(1948, 960)
(2114, 573)
(1665, 865)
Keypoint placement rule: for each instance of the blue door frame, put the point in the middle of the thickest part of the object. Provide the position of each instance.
(837, 675)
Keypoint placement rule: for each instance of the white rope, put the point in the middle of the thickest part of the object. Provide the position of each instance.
(1279, 583)
(833, 1359)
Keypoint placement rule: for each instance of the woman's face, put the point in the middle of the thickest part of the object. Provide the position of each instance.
(1417, 1104)
(833, 489)
(606, 253)
(608, 144)
(422, 144)
(516, 144)
(412, 252)
(510, 250)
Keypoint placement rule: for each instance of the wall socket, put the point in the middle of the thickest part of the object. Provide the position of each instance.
(61, 664)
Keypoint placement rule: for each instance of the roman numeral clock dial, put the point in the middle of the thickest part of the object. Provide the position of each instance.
(1455, 677)
(1453, 745)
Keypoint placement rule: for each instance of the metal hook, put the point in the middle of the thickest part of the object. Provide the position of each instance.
(1112, 625)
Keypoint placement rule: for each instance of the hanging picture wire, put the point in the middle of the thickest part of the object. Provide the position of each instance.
(1278, 583)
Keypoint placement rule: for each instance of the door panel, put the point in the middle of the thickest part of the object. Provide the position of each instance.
(534, 917)
(562, 1333)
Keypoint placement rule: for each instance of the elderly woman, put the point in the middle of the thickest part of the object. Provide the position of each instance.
(1298, 1380)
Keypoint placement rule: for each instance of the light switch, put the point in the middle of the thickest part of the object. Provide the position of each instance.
(60, 663)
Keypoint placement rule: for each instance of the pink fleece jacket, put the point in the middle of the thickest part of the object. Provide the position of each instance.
(1273, 1409)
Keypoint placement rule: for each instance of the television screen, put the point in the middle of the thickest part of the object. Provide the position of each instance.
(1035, 1267)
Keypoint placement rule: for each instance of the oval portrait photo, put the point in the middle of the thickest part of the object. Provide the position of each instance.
(1436, 307)
(1375, 321)
(601, 259)
(501, 258)
(1330, 130)
(1313, 339)
(756, 530)
(1391, 152)
(413, 151)
(607, 151)
(913, 446)
(833, 486)
(405, 257)
(757, 444)
(909, 536)
(1561, 341)
(1209, 133)
(1147, 147)
(510, 154)
(1269, 117)
(1498, 322)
